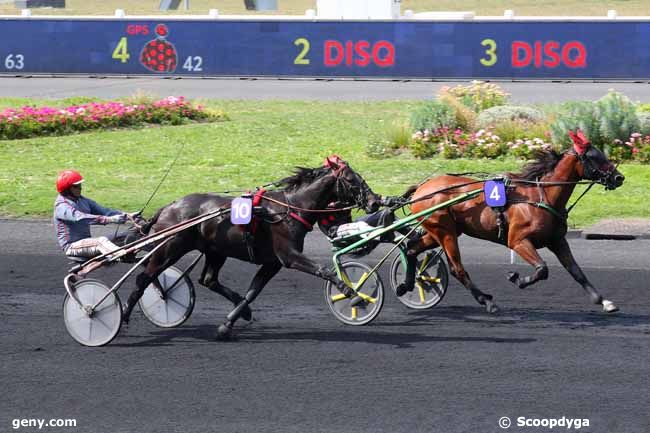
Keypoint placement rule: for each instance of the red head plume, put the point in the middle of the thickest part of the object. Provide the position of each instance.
(334, 162)
(580, 142)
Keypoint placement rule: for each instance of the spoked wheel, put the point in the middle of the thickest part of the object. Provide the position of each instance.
(171, 306)
(92, 327)
(431, 280)
(363, 308)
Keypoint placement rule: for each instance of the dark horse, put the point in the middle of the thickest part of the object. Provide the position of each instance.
(535, 216)
(275, 237)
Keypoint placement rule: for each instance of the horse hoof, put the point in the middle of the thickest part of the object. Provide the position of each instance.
(491, 307)
(356, 301)
(513, 277)
(402, 289)
(224, 333)
(609, 306)
(246, 314)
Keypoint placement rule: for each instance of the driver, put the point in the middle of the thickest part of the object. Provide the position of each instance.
(73, 215)
(339, 223)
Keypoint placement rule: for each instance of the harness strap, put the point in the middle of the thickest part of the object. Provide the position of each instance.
(249, 230)
(300, 219)
(544, 206)
(257, 198)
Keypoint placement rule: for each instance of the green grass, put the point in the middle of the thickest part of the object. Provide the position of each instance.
(298, 7)
(263, 142)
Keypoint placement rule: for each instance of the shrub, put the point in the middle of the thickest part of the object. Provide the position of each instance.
(433, 115)
(613, 117)
(644, 108)
(485, 144)
(389, 140)
(398, 135)
(478, 95)
(424, 144)
(573, 115)
(456, 143)
(618, 119)
(526, 148)
(638, 146)
(465, 116)
(495, 115)
(513, 130)
(644, 122)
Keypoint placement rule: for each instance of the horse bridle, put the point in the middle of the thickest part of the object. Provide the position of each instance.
(591, 171)
(348, 193)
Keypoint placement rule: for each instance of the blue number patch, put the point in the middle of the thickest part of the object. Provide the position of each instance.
(495, 193)
(241, 211)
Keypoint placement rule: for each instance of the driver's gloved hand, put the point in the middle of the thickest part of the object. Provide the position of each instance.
(134, 216)
(390, 201)
(116, 219)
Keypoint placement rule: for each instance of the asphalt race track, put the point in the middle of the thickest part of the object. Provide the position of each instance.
(548, 354)
(454, 369)
(522, 91)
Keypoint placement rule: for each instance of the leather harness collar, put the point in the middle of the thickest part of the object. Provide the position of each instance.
(257, 199)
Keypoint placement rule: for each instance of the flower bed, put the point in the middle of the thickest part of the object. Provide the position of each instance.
(34, 122)
(469, 121)
(480, 144)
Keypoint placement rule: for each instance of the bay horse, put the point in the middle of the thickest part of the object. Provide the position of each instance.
(275, 237)
(535, 216)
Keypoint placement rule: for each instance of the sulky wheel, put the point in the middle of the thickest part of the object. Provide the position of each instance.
(171, 306)
(92, 327)
(431, 280)
(363, 308)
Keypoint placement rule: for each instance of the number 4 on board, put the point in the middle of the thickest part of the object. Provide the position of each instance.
(121, 51)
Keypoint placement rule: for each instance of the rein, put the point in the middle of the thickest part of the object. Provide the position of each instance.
(521, 181)
(300, 209)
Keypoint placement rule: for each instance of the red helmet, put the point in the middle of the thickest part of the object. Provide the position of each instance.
(67, 178)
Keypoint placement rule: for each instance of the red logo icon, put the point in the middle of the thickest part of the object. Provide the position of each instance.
(159, 55)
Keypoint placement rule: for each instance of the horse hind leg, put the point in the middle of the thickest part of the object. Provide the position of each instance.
(262, 277)
(528, 252)
(161, 260)
(414, 247)
(210, 279)
(449, 243)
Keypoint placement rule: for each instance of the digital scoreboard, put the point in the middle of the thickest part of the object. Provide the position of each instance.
(400, 49)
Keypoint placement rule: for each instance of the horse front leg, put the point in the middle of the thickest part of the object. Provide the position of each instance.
(262, 277)
(294, 259)
(528, 252)
(563, 252)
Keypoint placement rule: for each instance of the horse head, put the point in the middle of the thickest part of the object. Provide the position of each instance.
(593, 164)
(351, 188)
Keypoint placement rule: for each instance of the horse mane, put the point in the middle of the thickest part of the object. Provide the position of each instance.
(544, 161)
(302, 176)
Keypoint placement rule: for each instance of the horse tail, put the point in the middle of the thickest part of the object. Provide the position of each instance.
(410, 191)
